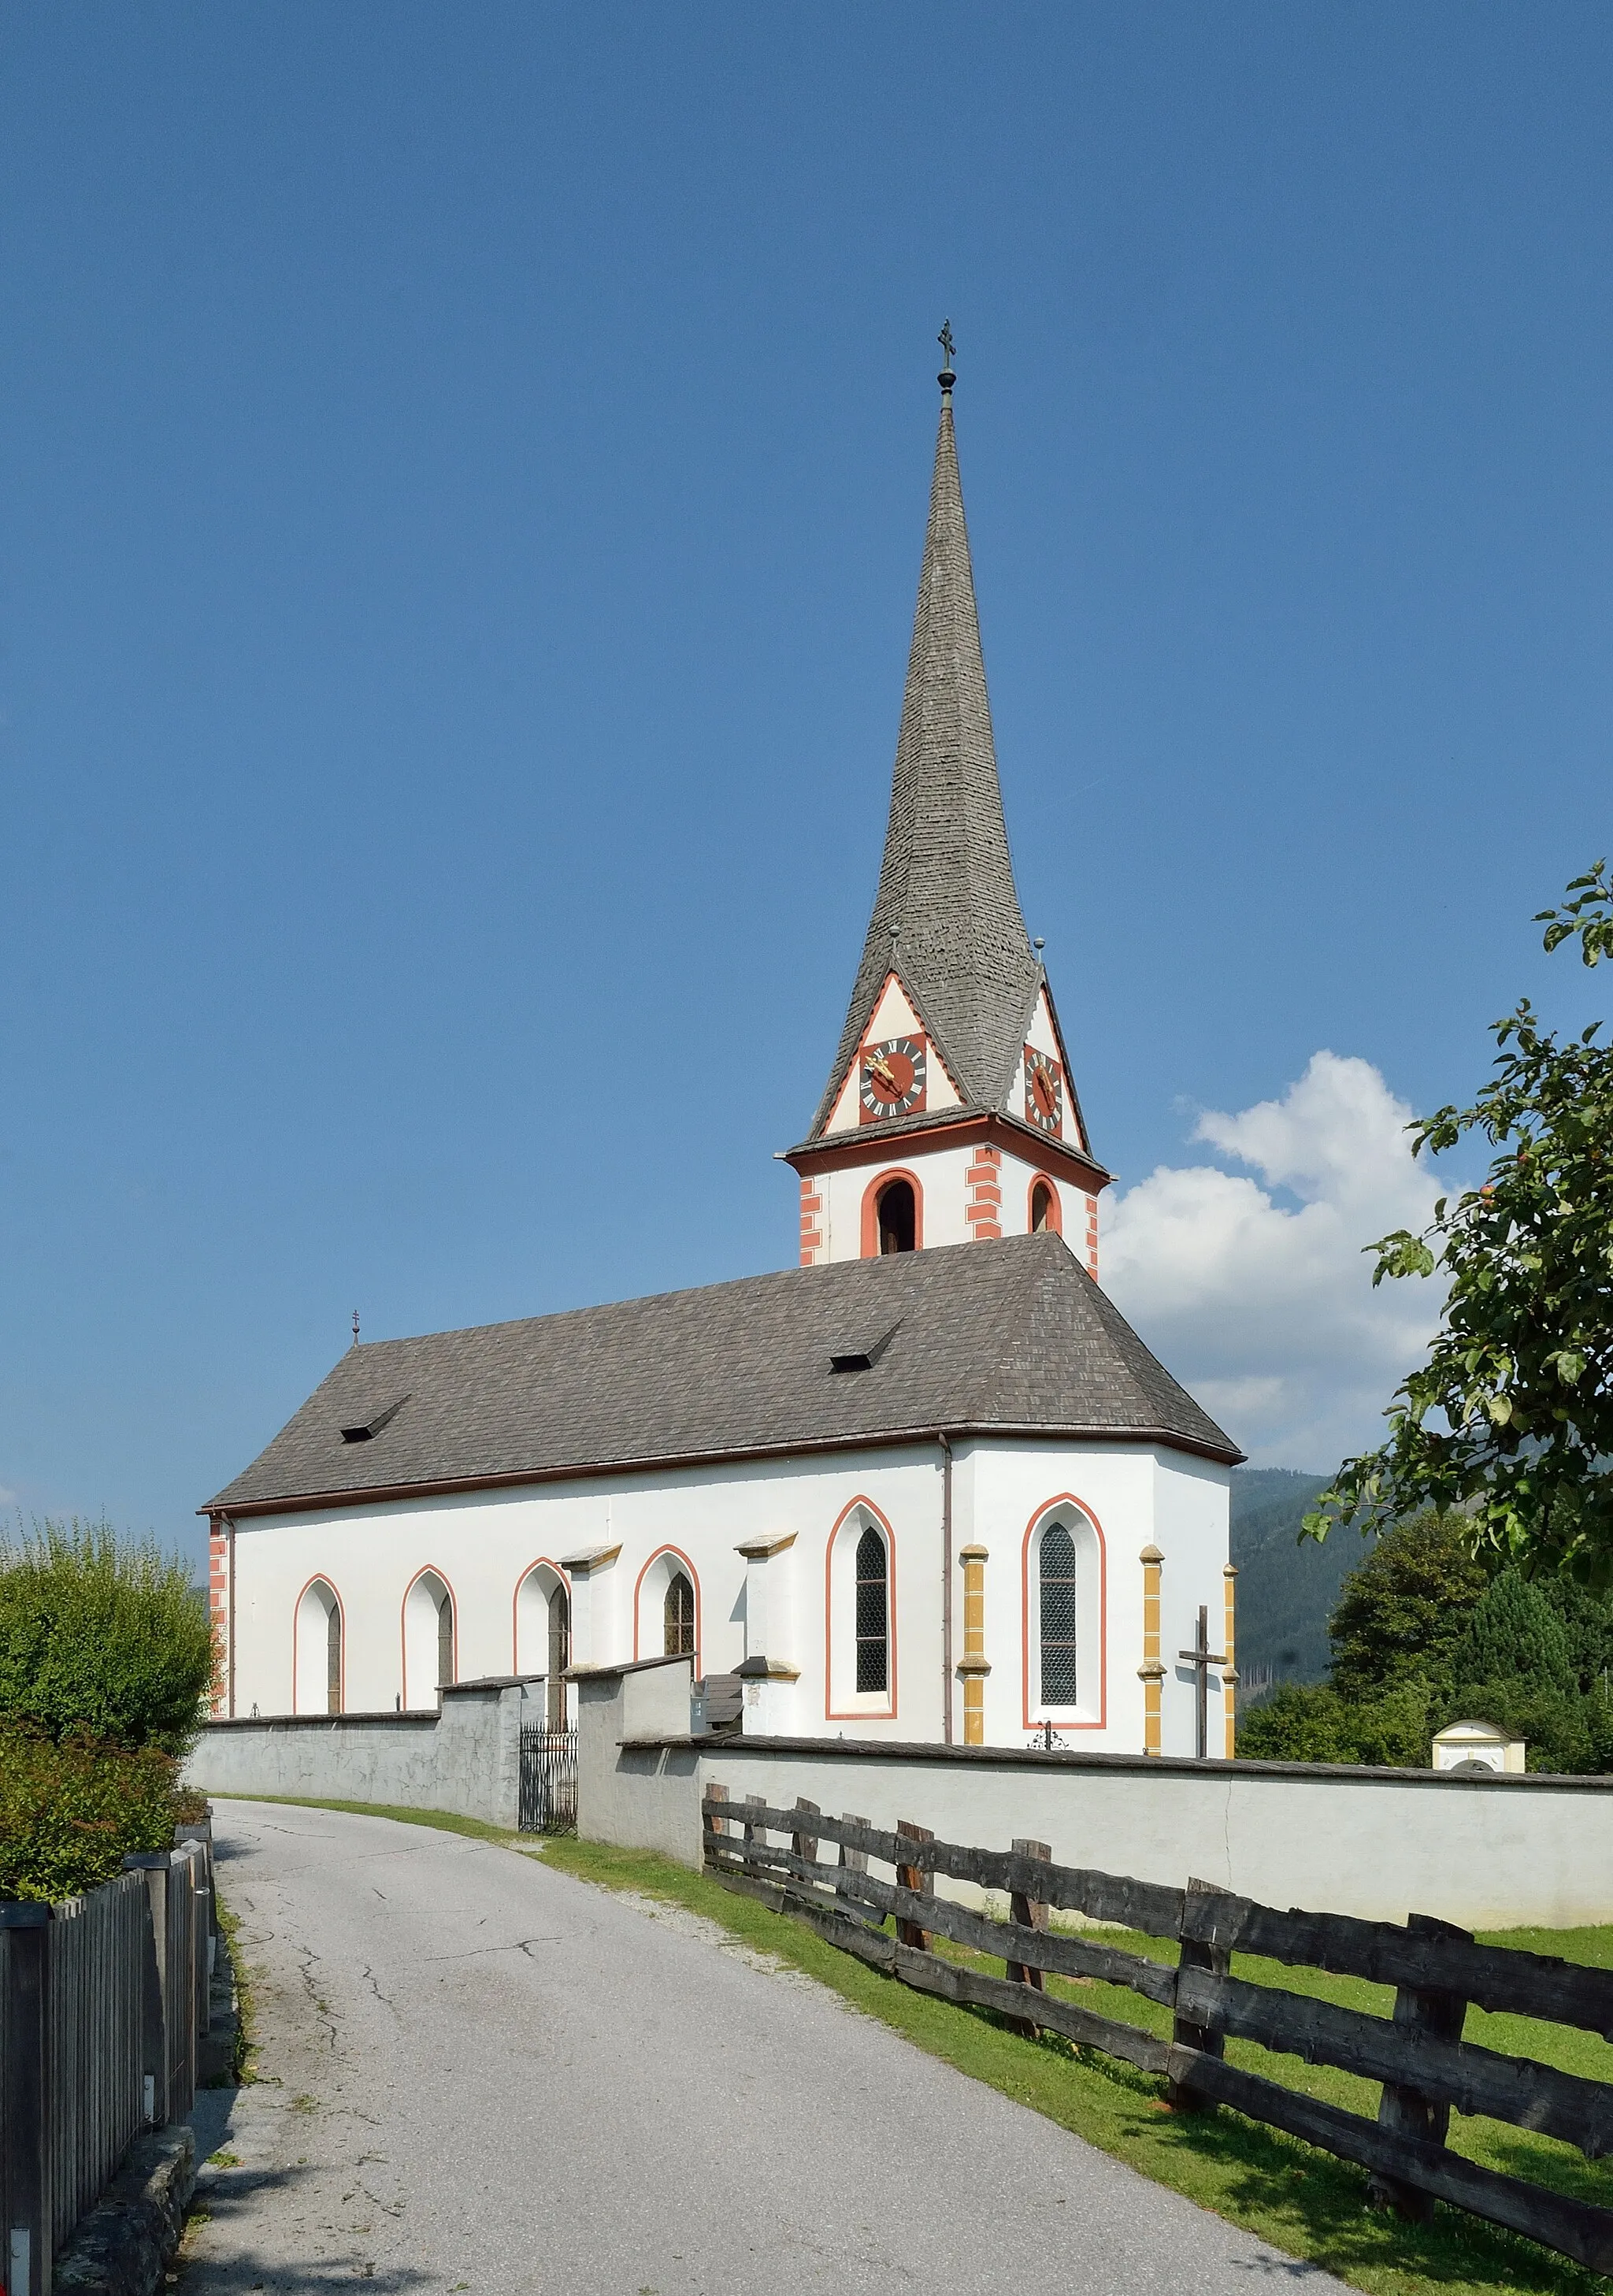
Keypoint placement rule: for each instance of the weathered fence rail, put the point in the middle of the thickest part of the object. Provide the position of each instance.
(102, 2002)
(1418, 2054)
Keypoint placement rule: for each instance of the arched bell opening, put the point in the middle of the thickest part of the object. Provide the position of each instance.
(899, 1218)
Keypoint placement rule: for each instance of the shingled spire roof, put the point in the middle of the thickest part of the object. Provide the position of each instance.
(947, 916)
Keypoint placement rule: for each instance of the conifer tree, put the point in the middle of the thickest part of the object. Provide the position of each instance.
(1515, 1636)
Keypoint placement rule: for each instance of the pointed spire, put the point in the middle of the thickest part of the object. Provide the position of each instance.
(946, 914)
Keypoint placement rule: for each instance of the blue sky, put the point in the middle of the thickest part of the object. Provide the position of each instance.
(464, 477)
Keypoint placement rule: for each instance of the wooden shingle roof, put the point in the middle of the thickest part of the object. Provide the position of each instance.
(1010, 1337)
(947, 916)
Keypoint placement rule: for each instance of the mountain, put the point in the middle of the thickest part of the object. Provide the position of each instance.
(1286, 1587)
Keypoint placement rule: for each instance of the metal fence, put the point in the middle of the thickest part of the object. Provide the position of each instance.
(101, 1999)
(548, 1781)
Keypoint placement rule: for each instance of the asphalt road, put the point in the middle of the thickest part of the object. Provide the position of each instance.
(483, 2076)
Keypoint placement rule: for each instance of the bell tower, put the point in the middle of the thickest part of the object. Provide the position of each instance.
(950, 1114)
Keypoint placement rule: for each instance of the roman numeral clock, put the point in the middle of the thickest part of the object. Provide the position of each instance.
(1044, 1092)
(892, 1079)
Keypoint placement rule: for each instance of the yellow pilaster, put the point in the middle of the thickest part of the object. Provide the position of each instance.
(1229, 1677)
(973, 1666)
(1152, 1671)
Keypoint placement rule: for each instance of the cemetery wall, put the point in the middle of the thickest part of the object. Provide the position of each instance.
(1490, 1852)
(465, 1759)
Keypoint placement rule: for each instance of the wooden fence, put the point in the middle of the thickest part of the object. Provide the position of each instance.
(1418, 2054)
(101, 2001)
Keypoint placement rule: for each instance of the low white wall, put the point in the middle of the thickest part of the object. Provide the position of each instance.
(643, 1796)
(465, 1759)
(1489, 1852)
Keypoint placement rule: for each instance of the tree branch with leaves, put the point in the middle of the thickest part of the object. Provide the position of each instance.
(1510, 1419)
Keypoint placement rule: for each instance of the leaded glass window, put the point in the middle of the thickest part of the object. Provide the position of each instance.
(445, 1639)
(678, 1614)
(1058, 1590)
(874, 1613)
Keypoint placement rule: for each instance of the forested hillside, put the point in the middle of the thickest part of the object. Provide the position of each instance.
(1286, 1589)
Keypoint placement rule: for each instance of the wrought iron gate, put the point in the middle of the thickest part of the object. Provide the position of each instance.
(548, 1781)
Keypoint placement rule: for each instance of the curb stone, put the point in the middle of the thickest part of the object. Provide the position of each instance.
(123, 2246)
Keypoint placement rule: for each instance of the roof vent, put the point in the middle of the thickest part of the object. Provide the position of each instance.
(366, 1429)
(864, 1358)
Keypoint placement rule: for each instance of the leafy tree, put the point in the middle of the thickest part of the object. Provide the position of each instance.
(102, 1637)
(1514, 1635)
(1510, 1419)
(1401, 1612)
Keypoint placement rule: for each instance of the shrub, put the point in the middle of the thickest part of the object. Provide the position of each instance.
(102, 1637)
(71, 1809)
(1312, 1723)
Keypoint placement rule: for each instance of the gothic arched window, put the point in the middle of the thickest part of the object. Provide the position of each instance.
(445, 1640)
(428, 1639)
(899, 1218)
(1058, 1595)
(678, 1612)
(559, 1654)
(317, 1686)
(1042, 1213)
(874, 1613)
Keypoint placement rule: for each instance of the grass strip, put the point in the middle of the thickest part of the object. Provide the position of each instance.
(1301, 2201)
(443, 1821)
(241, 2068)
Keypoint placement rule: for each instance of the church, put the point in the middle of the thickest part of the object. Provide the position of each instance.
(926, 1485)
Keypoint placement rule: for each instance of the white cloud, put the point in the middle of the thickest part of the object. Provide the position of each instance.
(1265, 1310)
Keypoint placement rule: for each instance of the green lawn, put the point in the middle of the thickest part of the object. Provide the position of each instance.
(1301, 2201)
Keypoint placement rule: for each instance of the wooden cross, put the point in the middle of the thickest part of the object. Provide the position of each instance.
(1202, 1658)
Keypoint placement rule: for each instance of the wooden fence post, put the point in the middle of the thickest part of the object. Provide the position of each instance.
(856, 1861)
(915, 1878)
(754, 1832)
(1033, 1914)
(1218, 1960)
(806, 1845)
(154, 2024)
(26, 2111)
(716, 1829)
(1407, 2111)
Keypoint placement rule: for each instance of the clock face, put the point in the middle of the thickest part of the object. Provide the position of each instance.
(891, 1077)
(1044, 1092)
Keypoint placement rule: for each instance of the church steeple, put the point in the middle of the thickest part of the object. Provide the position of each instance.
(946, 916)
(951, 1078)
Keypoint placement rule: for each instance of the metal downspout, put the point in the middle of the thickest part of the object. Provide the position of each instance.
(944, 1441)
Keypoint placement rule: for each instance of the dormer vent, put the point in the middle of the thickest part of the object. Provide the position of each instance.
(864, 1358)
(366, 1429)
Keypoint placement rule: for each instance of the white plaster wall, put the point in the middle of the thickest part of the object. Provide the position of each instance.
(1192, 1503)
(483, 1545)
(940, 1173)
(1489, 1853)
(1135, 1497)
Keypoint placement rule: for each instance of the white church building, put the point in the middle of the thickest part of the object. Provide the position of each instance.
(928, 1485)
